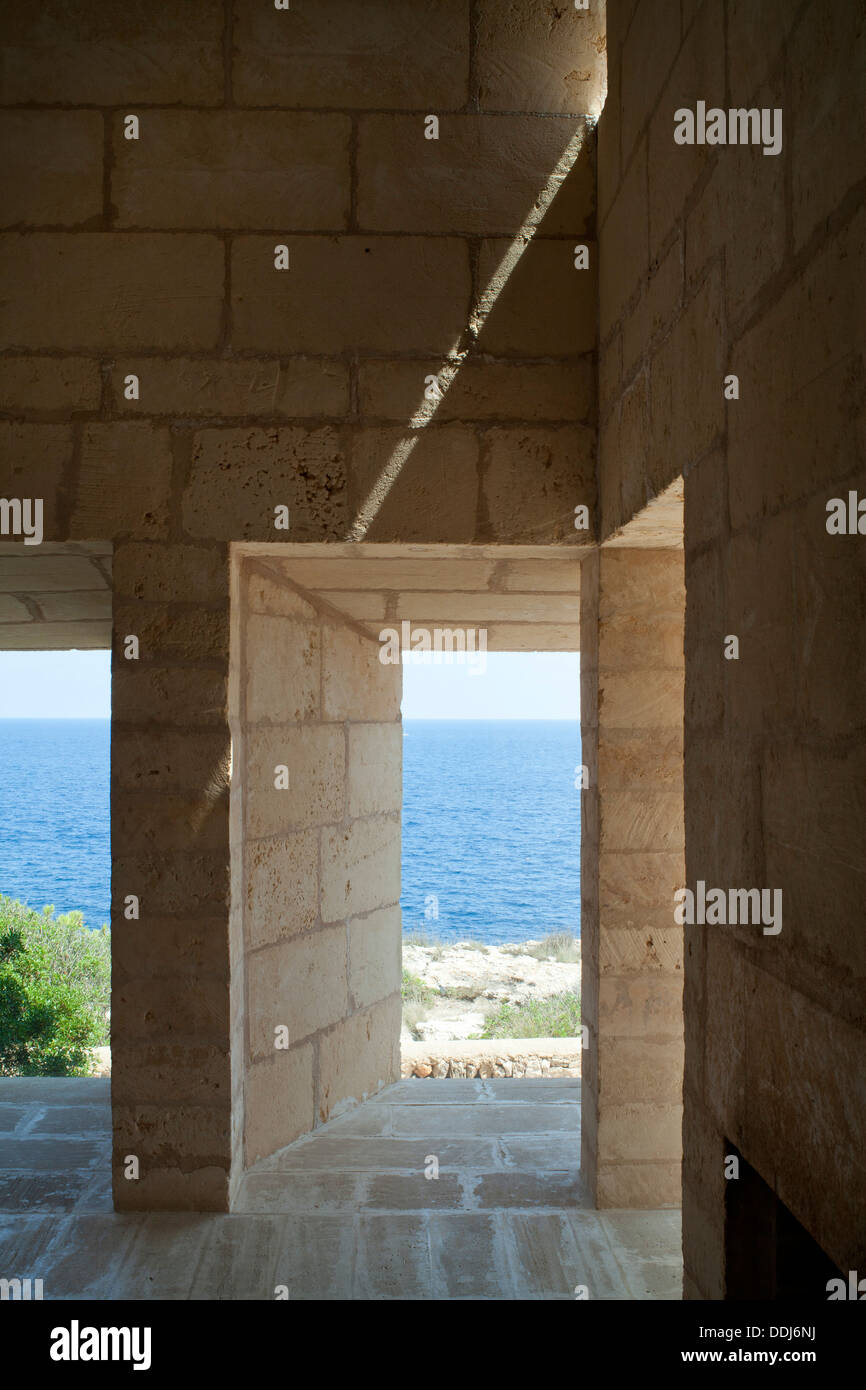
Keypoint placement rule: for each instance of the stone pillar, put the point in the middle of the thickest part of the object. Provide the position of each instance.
(632, 861)
(170, 1084)
(316, 928)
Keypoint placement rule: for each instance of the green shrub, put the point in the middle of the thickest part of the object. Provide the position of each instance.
(414, 990)
(557, 1016)
(564, 948)
(55, 990)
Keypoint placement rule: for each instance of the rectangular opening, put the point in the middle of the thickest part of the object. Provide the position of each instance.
(769, 1254)
(491, 864)
(55, 871)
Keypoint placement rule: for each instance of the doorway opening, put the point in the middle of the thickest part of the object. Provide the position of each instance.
(491, 864)
(55, 864)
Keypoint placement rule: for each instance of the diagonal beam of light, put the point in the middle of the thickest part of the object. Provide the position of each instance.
(481, 309)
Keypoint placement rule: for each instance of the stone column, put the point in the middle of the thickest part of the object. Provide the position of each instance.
(632, 861)
(316, 803)
(170, 1085)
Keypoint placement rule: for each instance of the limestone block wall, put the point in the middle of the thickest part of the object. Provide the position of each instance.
(317, 793)
(164, 387)
(429, 317)
(632, 862)
(720, 260)
(170, 884)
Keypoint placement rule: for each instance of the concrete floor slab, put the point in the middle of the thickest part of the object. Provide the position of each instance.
(348, 1212)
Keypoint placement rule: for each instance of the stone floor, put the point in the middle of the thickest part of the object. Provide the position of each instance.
(346, 1213)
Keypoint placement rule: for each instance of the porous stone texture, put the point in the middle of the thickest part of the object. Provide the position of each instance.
(719, 260)
(632, 862)
(165, 388)
(316, 797)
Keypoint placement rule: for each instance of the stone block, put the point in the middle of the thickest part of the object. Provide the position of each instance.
(360, 867)
(148, 823)
(300, 985)
(315, 58)
(107, 291)
(532, 480)
(106, 53)
(660, 301)
(641, 820)
(164, 1008)
(173, 633)
(124, 485)
(358, 1057)
(641, 699)
(795, 429)
(640, 1130)
(626, 761)
(480, 390)
(641, 1186)
(698, 74)
(45, 384)
(177, 1072)
(624, 244)
(689, 366)
(282, 887)
(379, 294)
(799, 1112)
(648, 53)
(301, 388)
(157, 947)
(374, 956)
(415, 485)
(278, 1102)
(239, 169)
(537, 60)
(534, 303)
(166, 760)
(192, 696)
(52, 162)
(640, 1070)
(356, 685)
(609, 135)
(484, 176)
(649, 943)
(163, 573)
(632, 1006)
(827, 61)
(315, 758)
(238, 476)
(757, 30)
(172, 884)
(34, 462)
(632, 643)
(282, 669)
(741, 212)
(375, 769)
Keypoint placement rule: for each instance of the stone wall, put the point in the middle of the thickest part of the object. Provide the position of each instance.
(317, 777)
(164, 387)
(631, 672)
(720, 260)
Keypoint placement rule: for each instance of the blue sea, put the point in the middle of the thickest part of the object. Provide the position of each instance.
(55, 842)
(491, 829)
(491, 824)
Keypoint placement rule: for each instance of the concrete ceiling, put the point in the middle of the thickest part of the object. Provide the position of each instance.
(55, 597)
(527, 597)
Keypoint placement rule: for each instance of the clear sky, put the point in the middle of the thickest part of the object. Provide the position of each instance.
(514, 685)
(55, 685)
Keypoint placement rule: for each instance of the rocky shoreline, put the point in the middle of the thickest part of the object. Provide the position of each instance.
(467, 982)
